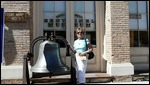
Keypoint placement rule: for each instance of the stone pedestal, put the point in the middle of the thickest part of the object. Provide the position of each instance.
(121, 72)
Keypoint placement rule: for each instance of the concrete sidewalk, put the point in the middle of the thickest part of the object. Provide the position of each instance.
(134, 82)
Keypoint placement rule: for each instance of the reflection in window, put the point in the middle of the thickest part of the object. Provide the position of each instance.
(91, 37)
(85, 17)
(143, 39)
(54, 15)
(134, 39)
(139, 39)
(58, 33)
(138, 22)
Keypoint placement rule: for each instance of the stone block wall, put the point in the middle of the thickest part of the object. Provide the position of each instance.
(16, 35)
(117, 40)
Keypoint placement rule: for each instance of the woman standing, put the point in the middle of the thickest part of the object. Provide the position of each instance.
(80, 49)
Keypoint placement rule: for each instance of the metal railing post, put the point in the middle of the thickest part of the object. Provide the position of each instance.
(26, 79)
(73, 71)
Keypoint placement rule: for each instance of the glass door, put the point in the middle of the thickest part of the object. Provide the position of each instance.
(84, 16)
(54, 15)
(63, 17)
(54, 21)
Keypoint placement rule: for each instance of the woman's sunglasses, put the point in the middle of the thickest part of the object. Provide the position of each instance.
(79, 32)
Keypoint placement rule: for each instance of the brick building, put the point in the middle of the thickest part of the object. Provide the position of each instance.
(117, 30)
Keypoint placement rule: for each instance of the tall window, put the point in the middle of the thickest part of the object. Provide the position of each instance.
(138, 24)
(85, 17)
(54, 13)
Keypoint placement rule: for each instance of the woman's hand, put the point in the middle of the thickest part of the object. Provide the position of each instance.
(83, 53)
(68, 43)
(71, 47)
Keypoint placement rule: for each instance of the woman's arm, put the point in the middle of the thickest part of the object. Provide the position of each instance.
(90, 49)
(71, 48)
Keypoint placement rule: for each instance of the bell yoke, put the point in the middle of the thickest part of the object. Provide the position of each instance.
(49, 60)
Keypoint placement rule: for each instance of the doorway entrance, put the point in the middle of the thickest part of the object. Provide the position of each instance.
(62, 18)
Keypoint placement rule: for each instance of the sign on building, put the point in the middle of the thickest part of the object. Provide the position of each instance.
(15, 17)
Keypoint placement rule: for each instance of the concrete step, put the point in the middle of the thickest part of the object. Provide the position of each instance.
(90, 77)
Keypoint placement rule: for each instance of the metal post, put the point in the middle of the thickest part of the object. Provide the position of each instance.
(26, 79)
(73, 71)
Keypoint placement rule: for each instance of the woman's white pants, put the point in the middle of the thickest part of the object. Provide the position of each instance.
(81, 66)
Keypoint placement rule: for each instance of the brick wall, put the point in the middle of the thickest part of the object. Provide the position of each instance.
(16, 35)
(117, 32)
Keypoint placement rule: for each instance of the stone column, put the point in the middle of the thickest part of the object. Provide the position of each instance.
(117, 40)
